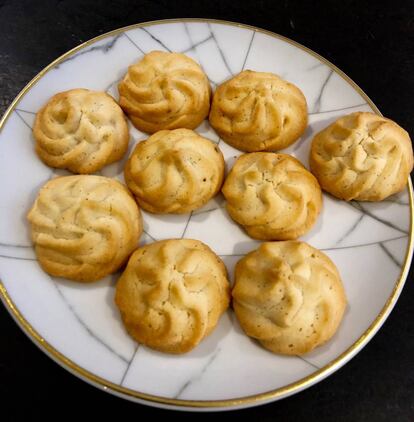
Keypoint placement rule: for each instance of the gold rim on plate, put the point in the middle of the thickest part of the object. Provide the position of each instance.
(239, 402)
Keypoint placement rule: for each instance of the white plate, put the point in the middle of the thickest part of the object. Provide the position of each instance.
(79, 326)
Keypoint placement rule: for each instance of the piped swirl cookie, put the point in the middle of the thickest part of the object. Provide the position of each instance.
(257, 111)
(81, 131)
(84, 227)
(174, 171)
(272, 196)
(288, 296)
(362, 156)
(172, 294)
(165, 91)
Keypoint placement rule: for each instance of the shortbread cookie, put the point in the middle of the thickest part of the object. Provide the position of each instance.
(288, 296)
(362, 156)
(84, 227)
(257, 111)
(172, 294)
(81, 131)
(272, 196)
(174, 171)
(165, 91)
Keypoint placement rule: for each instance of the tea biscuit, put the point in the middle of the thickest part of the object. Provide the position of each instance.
(288, 296)
(165, 91)
(174, 171)
(272, 196)
(84, 227)
(362, 156)
(81, 131)
(172, 294)
(257, 111)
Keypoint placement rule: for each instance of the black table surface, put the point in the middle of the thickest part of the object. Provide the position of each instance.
(373, 43)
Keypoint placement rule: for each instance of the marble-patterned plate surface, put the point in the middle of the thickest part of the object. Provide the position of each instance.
(79, 326)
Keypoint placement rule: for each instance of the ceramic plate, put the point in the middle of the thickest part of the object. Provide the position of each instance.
(79, 326)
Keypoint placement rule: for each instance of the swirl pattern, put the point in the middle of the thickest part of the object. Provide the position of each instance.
(172, 294)
(362, 156)
(174, 171)
(165, 91)
(257, 111)
(81, 130)
(289, 296)
(84, 227)
(272, 196)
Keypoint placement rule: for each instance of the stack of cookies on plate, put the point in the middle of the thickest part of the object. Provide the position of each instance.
(286, 294)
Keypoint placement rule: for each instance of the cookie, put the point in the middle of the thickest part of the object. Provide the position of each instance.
(257, 111)
(362, 156)
(272, 196)
(174, 171)
(165, 91)
(81, 131)
(172, 294)
(84, 227)
(288, 296)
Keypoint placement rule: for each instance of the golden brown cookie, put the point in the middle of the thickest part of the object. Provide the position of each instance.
(288, 296)
(165, 91)
(84, 227)
(362, 156)
(172, 294)
(174, 171)
(272, 196)
(257, 111)
(81, 130)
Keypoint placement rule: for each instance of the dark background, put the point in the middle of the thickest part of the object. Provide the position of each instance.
(373, 43)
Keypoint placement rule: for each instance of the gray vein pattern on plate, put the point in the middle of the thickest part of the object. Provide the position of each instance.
(104, 48)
